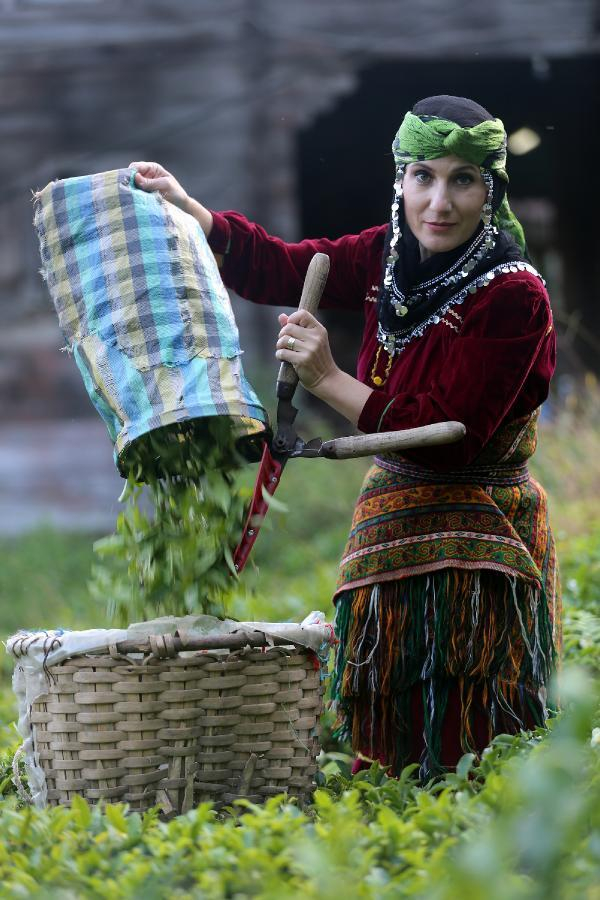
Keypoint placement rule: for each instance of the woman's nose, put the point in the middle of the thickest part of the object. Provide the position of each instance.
(440, 197)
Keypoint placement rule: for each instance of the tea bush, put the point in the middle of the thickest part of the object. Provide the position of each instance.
(523, 823)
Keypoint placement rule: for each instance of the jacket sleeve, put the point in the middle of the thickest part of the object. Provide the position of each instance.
(504, 353)
(267, 270)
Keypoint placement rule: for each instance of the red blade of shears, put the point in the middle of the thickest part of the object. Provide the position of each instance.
(267, 482)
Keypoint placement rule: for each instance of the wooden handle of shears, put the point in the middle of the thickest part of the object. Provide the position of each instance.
(388, 441)
(314, 283)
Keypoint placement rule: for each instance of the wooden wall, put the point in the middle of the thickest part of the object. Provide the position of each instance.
(218, 90)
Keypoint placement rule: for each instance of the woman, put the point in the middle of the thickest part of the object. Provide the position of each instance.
(446, 605)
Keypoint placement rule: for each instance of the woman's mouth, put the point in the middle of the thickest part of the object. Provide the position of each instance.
(440, 226)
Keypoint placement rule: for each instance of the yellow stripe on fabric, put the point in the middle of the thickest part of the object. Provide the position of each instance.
(60, 289)
(192, 287)
(169, 387)
(229, 388)
(208, 308)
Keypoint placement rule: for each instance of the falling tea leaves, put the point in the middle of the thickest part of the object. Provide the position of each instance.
(172, 550)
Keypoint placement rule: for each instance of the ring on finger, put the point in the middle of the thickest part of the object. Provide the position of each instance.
(290, 343)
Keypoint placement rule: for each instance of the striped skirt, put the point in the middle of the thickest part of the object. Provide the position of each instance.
(447, 610)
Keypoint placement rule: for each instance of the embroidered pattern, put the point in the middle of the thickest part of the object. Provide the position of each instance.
(449, 324)
(411, 520)
(395, 341)
(372, 294)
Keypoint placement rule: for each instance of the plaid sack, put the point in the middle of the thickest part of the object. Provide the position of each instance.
(143, 309)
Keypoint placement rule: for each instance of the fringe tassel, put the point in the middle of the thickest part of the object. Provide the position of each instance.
(481, 636)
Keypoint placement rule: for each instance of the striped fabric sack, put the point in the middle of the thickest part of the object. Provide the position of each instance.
(143, 309)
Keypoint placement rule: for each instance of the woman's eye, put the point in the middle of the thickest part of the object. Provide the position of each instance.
(422, 176)
(464, 178)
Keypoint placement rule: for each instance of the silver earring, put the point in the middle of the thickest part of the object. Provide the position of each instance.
(399, 308)
(396, 233)
(393, 254)
(486, 211)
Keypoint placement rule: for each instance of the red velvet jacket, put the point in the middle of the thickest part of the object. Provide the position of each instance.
(487, 362)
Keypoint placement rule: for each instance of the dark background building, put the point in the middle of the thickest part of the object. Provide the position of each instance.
(286, 112)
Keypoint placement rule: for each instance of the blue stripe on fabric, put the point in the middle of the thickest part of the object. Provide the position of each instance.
(133, 397)
(156, 257)
(68, 248)
(228, 336)
(196, 388)
(248, 393)
(81, 221)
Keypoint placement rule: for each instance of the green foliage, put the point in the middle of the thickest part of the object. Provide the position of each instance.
(174, 557)
(581, 639)
(580, 568)
(43, 580)
(7, 785)
(522, 824)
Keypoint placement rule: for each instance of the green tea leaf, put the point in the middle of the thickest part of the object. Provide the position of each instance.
(117, 819)
(82, 811)
(272, 502)
(172, 550)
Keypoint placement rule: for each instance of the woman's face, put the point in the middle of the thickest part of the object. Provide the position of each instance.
(443, 199)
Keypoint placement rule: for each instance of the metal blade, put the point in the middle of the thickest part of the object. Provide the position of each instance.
(310, 450)
(285, 437)
(267, 481)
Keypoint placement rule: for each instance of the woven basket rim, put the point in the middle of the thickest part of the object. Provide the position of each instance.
(170, 644)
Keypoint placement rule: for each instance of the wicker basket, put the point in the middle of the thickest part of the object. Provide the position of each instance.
(176, 728)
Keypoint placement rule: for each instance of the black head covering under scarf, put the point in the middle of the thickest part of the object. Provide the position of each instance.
(410, 272)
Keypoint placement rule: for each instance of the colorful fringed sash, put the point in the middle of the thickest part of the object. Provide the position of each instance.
(446, 594)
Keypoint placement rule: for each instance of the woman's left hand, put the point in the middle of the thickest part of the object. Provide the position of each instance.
(309, 352)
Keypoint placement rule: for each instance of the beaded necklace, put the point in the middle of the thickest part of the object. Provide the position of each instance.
(394, 342)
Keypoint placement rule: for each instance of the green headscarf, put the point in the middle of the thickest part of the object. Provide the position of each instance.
(428, 137)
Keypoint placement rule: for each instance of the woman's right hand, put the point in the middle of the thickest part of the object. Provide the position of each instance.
(151, 176)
